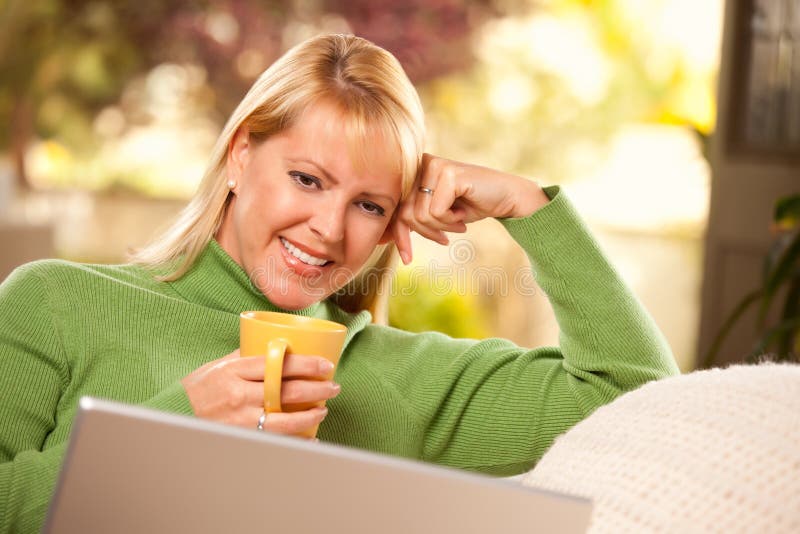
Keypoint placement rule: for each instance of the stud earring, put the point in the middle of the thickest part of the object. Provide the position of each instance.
(231, 184)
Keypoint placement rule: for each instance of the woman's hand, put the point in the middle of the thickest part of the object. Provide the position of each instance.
(231, 390)
(457, 194)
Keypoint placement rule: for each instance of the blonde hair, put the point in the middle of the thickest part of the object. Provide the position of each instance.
(371, 89)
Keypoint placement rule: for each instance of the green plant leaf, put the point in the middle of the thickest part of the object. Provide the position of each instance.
(785, 268)
(791, 310)
(773, 257)
(787, 212)
(743, 305)
(772, 335)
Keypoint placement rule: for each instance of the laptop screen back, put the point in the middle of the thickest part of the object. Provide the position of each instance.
(129, 469)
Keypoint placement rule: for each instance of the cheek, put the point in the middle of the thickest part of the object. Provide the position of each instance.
(266, 210)
(364, 240)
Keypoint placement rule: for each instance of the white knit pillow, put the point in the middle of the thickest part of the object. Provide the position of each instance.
(710, 451)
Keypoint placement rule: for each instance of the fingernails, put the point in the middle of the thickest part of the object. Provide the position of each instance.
(323, 412)
(406, 259)
(336, 388)
(325, 367)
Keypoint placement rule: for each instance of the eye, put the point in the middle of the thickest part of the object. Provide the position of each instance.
(306, 181)
(371, 208)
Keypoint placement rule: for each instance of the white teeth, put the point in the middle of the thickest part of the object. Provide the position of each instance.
(302, 256)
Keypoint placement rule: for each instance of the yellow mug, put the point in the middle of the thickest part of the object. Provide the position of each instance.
(273, 335)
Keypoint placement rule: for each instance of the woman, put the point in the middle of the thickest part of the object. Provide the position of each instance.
(318, 173)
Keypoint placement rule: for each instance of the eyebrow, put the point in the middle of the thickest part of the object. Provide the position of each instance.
(333, 179)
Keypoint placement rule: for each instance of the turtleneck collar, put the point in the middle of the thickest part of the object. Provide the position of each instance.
(217, 281)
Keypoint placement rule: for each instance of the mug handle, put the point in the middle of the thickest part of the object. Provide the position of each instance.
(273, 375)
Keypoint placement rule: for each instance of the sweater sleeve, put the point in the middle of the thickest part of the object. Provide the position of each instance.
(494, 407)
(607, 340)
(34, 374)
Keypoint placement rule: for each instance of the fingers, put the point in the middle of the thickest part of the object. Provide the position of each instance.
(436, 206)
(303, 391)
(294, 366)
(441, 209)
(292, 423)
(401, 234)
(299, 365)
(251, 393)
(432, 208)
(231, 390)
(293, 389)
(429, 233)
(416, 215)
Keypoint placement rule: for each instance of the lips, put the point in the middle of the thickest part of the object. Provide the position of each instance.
(301, 259)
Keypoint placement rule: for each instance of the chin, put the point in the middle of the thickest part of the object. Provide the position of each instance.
(293, 306)
(294, 300)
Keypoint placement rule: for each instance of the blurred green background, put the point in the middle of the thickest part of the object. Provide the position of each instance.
(111, 108)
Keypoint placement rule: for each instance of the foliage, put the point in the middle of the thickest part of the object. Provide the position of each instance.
(418, 304)
(490, 97)
(552, 87)
(430, 38)
(79, 55)
(781, 273)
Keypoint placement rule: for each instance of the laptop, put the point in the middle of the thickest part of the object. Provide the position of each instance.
(130, 469)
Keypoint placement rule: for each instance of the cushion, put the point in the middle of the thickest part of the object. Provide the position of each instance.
(710, 451)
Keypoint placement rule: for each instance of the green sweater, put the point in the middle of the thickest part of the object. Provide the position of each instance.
(68, 330)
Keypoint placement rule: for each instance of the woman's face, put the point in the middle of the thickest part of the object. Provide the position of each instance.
(303, 219)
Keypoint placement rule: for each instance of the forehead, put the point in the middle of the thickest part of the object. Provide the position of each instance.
(356, 147)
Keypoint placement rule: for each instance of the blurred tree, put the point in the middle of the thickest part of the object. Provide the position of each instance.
(78, 55)
(550, 88)
(425, 303)
(62, 61)
(431, 38)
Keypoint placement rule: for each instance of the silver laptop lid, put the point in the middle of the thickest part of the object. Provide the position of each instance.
(130, 469)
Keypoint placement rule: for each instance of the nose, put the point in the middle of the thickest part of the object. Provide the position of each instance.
(328, 223)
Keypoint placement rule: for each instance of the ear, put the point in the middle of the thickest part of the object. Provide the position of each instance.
(238, 153)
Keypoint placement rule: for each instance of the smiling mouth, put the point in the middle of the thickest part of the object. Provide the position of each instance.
(304, 257)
